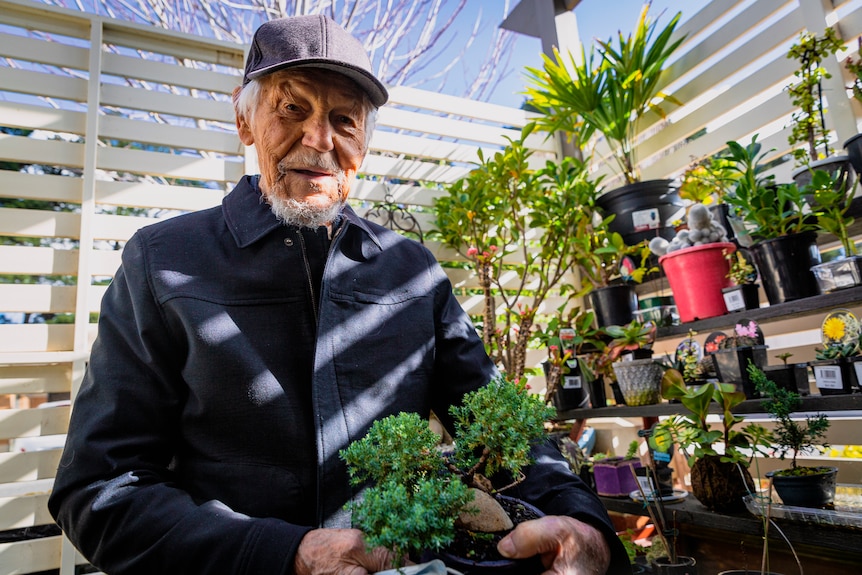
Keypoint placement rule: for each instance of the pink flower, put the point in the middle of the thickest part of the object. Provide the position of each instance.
(747, 331)
(493, 248)
(472, 252)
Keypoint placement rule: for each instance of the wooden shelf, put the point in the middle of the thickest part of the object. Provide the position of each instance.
(812, 403)
(802, 307)
(690, 511)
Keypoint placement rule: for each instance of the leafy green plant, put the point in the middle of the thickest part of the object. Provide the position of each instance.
(417, 490)
(741, 271)
(707, 181)
(809, 124)
(693, 433)
(768, 209)
(831, 202)
(496, 211)
(634, 335)
(790, 436)
(607, 92)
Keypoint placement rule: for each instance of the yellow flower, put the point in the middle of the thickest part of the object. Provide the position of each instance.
(833, 328)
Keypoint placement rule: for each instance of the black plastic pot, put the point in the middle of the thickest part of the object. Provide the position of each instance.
(784, 264)
(814, 491)
(792, 377)
(834, 376)
(683, 566)
(839, 167)
(614, 304)
(853, 147)
(598, 394)
(643, 210)
(738, 298)
(571, 391)
(732, 366)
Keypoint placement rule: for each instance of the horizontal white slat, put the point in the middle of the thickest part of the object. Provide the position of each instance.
(37, 298)
(169, 73)
(35, 338)
(27, 466)
(404, 169)
(22, 512)
(176, 137)
(39, 223)
(374, 191)
(41, 84)
(31, 116)
(36, 50)
(148, 195)
(34, 422)
(31, 150)
(136, 98)
(9, 357)
(47, 187)
(456, 106)
(169, 165)
(35, 379)
(27, 260)
(31, 555)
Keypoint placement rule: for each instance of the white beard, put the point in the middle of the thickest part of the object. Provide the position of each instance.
(292, 212)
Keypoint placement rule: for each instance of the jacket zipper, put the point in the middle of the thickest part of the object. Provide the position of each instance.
(308, 277)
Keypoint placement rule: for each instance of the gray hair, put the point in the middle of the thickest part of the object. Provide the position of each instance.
(246, 99)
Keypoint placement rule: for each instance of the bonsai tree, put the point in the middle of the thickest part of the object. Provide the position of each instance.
(417, 491)
(809, 123)
(504, 208)
(608, 92)
(791, 436)
(719, 478)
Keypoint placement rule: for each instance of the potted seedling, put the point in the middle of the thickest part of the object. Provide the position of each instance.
(772, 221)
(735, 352)
(800, 486)
(719, 457)
(630, 351)
(833, 367)
(744, 293)
(423, 499)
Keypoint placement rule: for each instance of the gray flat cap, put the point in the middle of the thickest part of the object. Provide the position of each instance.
(312, 42)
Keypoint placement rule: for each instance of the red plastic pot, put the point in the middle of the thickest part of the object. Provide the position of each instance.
(696, 276)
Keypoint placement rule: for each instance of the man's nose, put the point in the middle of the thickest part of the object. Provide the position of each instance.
(317, 134)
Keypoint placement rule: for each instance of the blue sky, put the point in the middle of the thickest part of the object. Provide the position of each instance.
(596, 19)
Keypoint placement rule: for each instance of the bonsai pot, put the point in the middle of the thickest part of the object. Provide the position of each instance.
(643, 209)
(683, 566)
(613, 476)
(484, 559)
(838, 274)
(834, 376)
(740, 297)
(784, 265)
(696, 276)
(640, 381)
(719, 485)
(732, 366)
(792, 377)
(813, 490)
(613, 304)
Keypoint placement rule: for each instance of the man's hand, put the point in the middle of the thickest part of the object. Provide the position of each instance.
(338, 552)
(566, 546)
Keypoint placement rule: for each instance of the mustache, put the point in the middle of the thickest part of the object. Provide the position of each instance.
(306, 161)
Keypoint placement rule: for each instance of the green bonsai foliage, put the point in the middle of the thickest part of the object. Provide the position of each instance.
(790, 436)
(809, 126)
(771, 210)
(417, 490)
(692, 432)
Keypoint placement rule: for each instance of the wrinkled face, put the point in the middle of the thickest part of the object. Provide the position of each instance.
(309, 132)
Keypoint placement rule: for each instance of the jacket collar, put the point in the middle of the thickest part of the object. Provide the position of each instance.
(249, 218)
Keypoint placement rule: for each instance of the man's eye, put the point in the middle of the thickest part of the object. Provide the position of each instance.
(346, 120)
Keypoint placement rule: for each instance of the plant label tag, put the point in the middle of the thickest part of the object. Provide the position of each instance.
(828, 377)
(646, 484)
(645, 220)
(733, 300)
(567, 338)
(572, 382)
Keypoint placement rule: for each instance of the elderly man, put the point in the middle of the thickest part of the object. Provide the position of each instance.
(241, 347)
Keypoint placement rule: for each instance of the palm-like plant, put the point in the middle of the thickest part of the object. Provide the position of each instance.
(609, 94)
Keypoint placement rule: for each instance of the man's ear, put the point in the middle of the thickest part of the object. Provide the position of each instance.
(244, 131)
